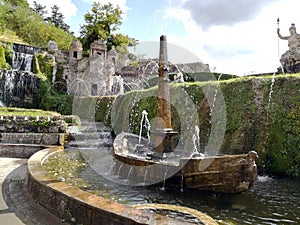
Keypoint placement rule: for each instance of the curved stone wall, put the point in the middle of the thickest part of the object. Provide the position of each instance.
(76, 206)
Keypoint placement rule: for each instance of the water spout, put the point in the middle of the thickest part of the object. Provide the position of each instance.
(118, 85)
(164, 182)
(129, 173)
(144, 123)
(196, 140)
(181, 184)
(145, 176)
(119, 170)
(111, 168)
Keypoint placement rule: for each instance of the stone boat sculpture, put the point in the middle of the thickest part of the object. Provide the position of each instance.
(157, 162)
(221, 173)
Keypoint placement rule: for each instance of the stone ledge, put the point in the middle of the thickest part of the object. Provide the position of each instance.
(19, 150)
(76, 206)
(33, 138)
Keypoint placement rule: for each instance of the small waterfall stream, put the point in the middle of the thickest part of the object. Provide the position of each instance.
(19, 86)
(23, 57)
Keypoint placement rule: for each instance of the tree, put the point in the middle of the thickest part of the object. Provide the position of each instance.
(16, 3)
(39, 9)
(57, 19)
(102, 23)
(31, 28)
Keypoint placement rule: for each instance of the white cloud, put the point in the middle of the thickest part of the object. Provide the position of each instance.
(66, 7)
(245, 46)
(224, 12)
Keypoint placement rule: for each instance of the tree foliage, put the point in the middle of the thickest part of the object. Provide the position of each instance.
(16, 3)
(39, 9)
(57, 19)
(30, 26)
(102, 22)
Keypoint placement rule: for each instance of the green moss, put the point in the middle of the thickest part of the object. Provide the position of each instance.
(7, 111)
(2, 57)
(43, 64)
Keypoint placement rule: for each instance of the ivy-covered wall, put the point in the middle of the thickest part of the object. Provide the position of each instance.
(52, 96)
(261, 114)
(5, 55)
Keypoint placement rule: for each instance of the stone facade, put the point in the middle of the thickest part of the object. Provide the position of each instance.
(92, 76)
(104, 72)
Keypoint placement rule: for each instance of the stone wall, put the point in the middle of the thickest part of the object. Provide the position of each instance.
(32, 130)
(19, 150)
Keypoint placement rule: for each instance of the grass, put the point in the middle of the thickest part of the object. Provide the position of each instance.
(11, 37)
(6, 111)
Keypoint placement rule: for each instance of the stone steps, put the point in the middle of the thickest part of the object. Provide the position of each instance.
(91, 135)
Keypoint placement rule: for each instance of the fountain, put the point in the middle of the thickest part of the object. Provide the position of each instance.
(188, 168)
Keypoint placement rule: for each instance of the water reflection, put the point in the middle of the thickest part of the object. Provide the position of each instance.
(269, 201)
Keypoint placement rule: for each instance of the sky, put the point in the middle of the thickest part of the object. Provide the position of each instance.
(232, 36)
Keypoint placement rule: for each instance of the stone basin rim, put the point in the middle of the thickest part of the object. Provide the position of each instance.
(98, 207)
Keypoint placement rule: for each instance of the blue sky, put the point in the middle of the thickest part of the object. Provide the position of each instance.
(232, 36)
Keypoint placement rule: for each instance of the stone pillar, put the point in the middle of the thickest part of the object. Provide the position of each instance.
(163, 132)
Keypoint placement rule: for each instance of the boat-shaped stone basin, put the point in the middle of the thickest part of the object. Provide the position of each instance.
(220, 173)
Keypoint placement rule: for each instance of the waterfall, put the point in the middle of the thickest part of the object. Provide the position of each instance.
(23, 57)
(18, 88)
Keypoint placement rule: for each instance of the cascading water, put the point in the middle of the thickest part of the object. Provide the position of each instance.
(23, 57)
(271, 90)
(19, 86)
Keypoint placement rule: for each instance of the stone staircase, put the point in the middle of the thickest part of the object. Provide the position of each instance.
(91, 135)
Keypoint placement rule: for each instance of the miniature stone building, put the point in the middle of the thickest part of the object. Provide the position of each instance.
(98, 48)
(75, 50)
(113, 56)
(92, 76)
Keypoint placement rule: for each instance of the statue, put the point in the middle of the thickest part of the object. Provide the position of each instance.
(290, 60)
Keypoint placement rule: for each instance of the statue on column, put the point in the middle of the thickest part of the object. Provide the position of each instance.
(290, 60)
